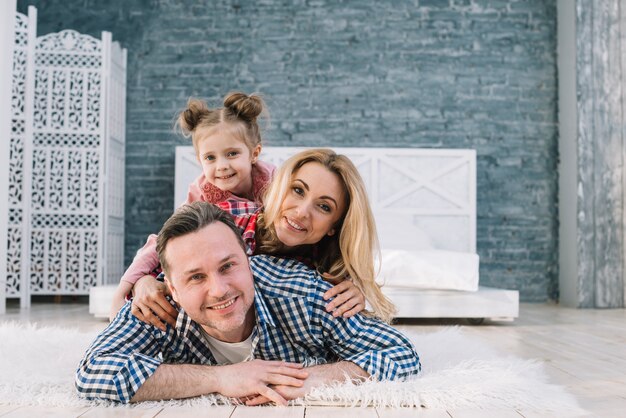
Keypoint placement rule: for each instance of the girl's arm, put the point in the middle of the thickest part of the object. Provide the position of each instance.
(348, 299)
(143, 264)
(145, 261)
(149, 295)
(119, 298)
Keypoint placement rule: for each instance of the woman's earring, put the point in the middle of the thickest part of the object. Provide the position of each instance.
(331, 232)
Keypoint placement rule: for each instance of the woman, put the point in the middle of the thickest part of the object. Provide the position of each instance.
(316, 209)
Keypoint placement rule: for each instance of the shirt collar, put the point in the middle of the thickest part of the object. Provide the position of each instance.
(184, 324)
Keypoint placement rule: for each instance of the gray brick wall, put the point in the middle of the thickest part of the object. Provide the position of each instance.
(458, 73)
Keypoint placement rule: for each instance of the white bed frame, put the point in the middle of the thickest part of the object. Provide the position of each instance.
(418, 196)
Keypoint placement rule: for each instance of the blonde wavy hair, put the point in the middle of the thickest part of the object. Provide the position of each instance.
(351, 252)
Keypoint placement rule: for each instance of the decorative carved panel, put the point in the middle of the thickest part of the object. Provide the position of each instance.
(67, 147)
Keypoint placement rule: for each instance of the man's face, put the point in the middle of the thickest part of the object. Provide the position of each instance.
(210, 278)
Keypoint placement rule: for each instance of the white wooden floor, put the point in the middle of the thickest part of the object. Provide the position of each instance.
(584, 350)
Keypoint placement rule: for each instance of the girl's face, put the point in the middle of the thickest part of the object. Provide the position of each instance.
(313, 205)
(227, 161)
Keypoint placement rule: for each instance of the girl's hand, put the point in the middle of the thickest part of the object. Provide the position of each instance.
(150, 304)
(348, 299)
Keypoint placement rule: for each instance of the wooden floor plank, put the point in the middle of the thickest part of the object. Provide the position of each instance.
(482, 413)
(268, 411)
(584, 343)
(411, 412)
(218, 411)
(46, 411)
(552, 414)
(138, 411)
(339, 412)
(580, 351)
(604, 407)
(5, 409)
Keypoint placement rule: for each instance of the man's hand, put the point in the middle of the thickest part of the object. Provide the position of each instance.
(318, 376)
(257, 377)
(150, 304)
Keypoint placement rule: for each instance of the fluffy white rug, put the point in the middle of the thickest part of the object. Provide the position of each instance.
(38, 366)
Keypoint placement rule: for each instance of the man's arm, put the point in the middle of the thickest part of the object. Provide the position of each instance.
(325, 374)
(124, 365)
(366, 346)
(254, 378)
(376, 347)
(120, 359)
(297, 300)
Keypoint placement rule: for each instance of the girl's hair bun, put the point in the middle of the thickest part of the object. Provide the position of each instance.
(192, 115)
(244, 106)
(239, 110)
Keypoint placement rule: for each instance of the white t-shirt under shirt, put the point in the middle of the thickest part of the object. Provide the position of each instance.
(229, 353)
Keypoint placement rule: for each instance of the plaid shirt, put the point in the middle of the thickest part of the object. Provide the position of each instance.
(245, 214)
(291, 324)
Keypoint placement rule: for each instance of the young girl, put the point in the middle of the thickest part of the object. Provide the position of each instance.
(227, 142)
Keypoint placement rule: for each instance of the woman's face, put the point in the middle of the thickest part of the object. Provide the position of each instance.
(313, 205)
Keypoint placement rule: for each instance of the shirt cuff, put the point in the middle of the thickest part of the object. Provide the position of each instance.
(137, 370)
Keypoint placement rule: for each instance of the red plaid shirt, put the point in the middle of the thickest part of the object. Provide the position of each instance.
(245, 213)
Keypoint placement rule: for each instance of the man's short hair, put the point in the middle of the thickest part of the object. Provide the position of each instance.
(191, 218)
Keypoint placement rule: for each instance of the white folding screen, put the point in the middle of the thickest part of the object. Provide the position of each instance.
(7, 45)
(17, 246)
(69, 105)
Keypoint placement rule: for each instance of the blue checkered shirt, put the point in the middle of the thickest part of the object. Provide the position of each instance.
(291, 324)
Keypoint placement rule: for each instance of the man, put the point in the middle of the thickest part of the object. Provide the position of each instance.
(226, 319)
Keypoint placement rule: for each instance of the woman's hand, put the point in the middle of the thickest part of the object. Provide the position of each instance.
(150, 304)
(348, 299)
